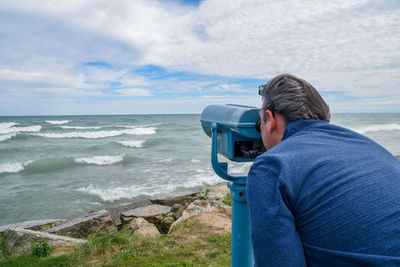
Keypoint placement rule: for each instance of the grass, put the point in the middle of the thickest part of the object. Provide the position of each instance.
(227, 200)
(123, 249)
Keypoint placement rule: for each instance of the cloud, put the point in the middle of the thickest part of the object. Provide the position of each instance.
(349, 47)
(134, 92)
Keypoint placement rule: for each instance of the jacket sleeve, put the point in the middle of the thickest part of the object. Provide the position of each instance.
(275, 239)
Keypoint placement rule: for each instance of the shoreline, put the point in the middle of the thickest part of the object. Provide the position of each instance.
(34, 223)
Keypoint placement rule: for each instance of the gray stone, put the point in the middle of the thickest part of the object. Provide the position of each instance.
(141, 227)
(19, 240)
(179, 212)
(167, 221)
(202, 206)
(169, 199)
(148, 211)
(115, 212)
(175, 207)
(216, 192)
(36, 225)
(82, 227)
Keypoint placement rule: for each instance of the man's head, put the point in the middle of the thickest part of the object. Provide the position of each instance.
(287, 98)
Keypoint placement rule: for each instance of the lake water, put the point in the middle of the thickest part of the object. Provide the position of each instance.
(66, 166)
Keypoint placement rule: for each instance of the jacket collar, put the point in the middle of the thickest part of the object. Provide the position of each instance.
(296, 126)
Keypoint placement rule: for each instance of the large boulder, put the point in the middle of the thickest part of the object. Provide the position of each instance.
(141, 227)
(35, 225)
(218, 192)
(19, 240)
(115, 212)
(153, 213)
(169, 199)
(202, 206)
(99, 222)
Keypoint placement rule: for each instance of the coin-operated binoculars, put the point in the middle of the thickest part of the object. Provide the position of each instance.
(235, 134)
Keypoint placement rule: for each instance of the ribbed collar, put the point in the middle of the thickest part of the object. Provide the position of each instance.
(296, 126)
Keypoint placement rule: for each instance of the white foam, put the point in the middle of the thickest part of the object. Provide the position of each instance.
(58, 122)
(7, 136)
(13, 167)
(166, 160)
(119, 192)
(116, 193)
(99, 134)
(33, 128)
(133, 143)
(101, 160)
(81, 127)
(5, 125)
(195, 160)
(377, 128)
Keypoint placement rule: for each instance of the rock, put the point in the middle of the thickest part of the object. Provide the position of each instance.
(169, 199)
(82, 227)
(167, 221)
(35, 225)
(115, 212)
(179, 212)
(152, 213)
(19, 240)
(141, 227)
(216, 192)
(202, 206)
(175, 207)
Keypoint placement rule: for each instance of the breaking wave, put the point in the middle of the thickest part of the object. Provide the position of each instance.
(81, 127)
(48, 165)
(13, 167)
(377, 128)
(133, 143)
(7, 136)
(101, 160)
(114, 193)
(57, 122)
(8, 131)
(99, 134)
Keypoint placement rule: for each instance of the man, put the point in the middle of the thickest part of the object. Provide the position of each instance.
(321, 195)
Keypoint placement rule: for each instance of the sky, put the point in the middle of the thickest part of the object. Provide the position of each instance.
(174, 56)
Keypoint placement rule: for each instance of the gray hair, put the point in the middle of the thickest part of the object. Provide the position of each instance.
(294, 98)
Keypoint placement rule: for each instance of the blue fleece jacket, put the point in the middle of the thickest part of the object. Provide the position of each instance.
(325, 196)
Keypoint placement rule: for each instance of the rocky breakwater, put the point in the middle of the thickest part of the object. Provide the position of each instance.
(150, 218)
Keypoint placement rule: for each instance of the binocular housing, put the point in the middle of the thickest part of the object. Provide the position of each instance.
(238, 131)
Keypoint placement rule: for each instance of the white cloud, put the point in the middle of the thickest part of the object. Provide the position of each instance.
(134, 92)
(343, 46)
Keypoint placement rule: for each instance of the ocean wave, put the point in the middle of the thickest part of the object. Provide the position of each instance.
(5, 125)
(81, 127)
(139, 126)
(99, 134)
(101, 160)
(57, 122)
(114, 193)
(7, 136)
(33, 128)
(377, 128)
(13, 167)
(133, 143)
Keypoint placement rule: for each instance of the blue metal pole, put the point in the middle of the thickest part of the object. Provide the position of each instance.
(242, 250)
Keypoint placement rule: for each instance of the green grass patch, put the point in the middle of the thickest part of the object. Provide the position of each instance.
(227, 200)
(124, 249)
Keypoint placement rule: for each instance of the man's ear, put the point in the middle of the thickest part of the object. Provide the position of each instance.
(271, 121)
